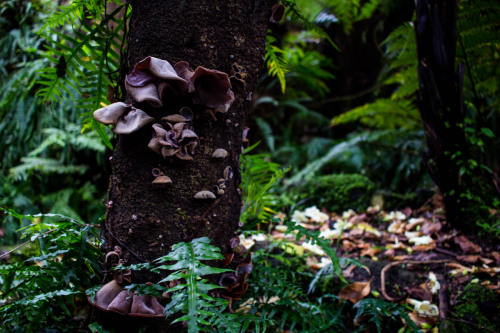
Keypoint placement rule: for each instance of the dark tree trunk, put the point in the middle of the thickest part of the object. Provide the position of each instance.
(145, 221)
(440, 101)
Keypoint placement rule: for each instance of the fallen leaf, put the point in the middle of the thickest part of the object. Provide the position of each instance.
(368, 228)
(314, 264)
(492, 271)
(466, 245)
(472, 259)
(355, 292)
(429, 228)
(424, 309)
(420, 240)
(413, 222)
(397, 227)
(390, 253)
(496, 255)
(371, 251)
(486, 261)
(314, 248)
(347, 245)
(424, 248)
(420, 321)
(421, 292)
(433, 283)
(349, 272)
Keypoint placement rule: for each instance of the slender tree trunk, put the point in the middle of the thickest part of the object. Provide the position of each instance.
(440, 100)
(146, 221)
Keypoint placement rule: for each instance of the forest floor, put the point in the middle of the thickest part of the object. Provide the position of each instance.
(411, 257)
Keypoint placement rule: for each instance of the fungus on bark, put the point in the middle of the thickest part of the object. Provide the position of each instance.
(173, 139)
(220, 153)
(126, 118)
(204, 195)
(211, 87)
(277, 13)
(161, 180)
(151, 78)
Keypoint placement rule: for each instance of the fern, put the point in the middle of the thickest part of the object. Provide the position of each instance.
(191, 296)
(39, 293)
(375, 311)
(398, 111)
(72, 13)
(275, 62)
(382, 114)
(347, 12)
(259, 176)
(276, 293)
(314, 238)
(39, 165)
(85, 63)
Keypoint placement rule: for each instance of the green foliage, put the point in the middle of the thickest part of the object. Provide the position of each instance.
(383, 316)
(275, 62)
(479, 306)
(84, 59)
(398, 111)
(44, 292)
(382, 114)
(191, 296)
(314, 238)
(336, 192)
(43, 150)
(373, 154)
(348, 12)
(259, 177)
(277, 292)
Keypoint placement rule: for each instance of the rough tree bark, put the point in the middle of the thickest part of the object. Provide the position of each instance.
(145, 221)
(440, 101)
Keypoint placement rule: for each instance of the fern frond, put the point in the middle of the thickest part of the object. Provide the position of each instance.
(72, 13)
(190, 297)
(382, 114)
(314, 238)
(85, 65)
(39, 165)
(275, 62)
(258, 177)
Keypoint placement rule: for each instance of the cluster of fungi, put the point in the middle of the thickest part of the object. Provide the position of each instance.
(172, 138)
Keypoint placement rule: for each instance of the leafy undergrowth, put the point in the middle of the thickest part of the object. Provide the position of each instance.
(402, 257)
(313, 271)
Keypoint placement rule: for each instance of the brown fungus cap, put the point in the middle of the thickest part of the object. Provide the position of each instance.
(211, 87)
(110, 114)
(132, 121)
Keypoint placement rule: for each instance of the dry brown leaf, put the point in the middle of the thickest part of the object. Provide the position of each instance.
(412, 223)
(371, 251)
(424, 248)
(347, 245)
(429, 228)
(495, 287)
(486, 261)
(421, 292)
(355, 292)
(473, 258)
(492, 271)
(420, 320)
(390, 253)
(397, 227)
(496, 255)
(348, 272)
(466, 245)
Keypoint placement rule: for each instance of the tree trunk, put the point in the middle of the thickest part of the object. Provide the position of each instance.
(440, 100)
(146, 221)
